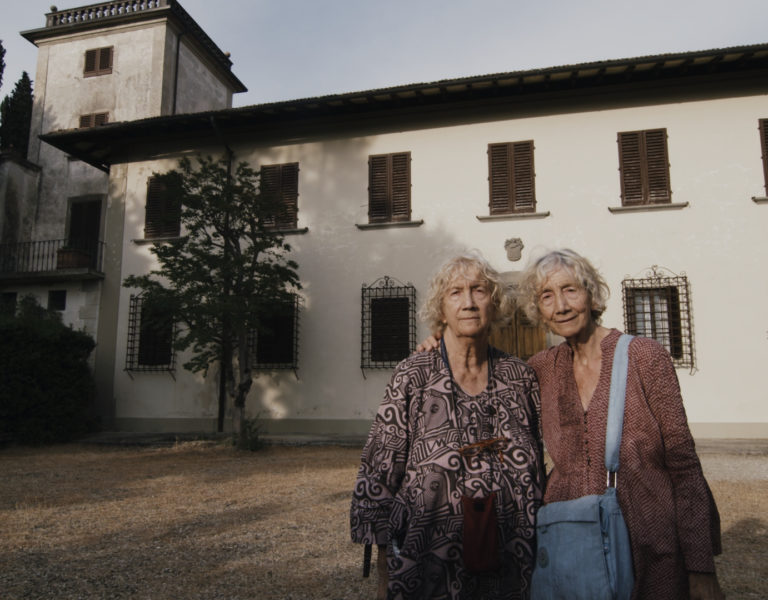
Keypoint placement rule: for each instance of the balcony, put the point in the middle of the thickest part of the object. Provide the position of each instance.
(52, 260)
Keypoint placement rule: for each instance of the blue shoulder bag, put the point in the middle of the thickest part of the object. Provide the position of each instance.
(583, 550)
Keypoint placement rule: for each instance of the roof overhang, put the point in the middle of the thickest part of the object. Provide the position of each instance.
(115, 142)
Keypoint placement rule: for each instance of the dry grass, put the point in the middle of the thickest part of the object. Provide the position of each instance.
(202, 520)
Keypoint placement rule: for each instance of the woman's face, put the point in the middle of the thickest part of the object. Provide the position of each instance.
(467, 305)
(564, 304)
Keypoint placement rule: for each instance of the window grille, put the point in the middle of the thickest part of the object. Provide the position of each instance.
(98, 61)
(511, 178)
(275, 346)
(162, 217)
(389, 187)
(644, 167)
(658, 306)
(280, 185)
(8, 303)
(150, 338)
(388, 323)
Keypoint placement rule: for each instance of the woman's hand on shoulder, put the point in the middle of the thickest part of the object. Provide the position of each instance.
(704, 586)
(431, 343)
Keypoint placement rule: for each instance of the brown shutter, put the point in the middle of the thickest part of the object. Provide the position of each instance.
(525, 197)
(378, 188)
(162, 216)
(644, 166)
(658, 166)
(631, 167)
(499, 179)
(389, 187)
(100, 119)
(86, 121)
(289, 176)
(764, 146)
(105, 60)
(90, 62)
(401, 186)
(511, 178)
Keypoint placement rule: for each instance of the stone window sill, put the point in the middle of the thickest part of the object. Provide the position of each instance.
(759, 199)
(648, 207)
(390, 225)
(513, 216)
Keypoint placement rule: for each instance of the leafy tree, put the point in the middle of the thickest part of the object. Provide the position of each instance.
(16, 117)
(2, 61)
(47, 392)
(224, 277)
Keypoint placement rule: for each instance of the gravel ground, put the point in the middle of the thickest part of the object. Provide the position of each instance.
(200, 520)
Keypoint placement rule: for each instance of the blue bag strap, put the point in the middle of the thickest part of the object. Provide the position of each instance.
(616, 403)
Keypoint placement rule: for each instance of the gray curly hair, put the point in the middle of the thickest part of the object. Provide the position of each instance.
(463, 265)
(586, 274)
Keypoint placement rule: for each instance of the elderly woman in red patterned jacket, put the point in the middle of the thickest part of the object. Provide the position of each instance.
(673, 522)
(455, 446)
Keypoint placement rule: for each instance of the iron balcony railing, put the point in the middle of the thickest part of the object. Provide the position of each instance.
(51, 255)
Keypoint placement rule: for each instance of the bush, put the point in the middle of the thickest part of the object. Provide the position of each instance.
(47, 393)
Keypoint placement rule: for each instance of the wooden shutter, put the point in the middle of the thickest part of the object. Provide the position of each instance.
(764, 146)
(93, 120)
(91, 66)
(644, 167)
(499, 178)
(105, 60)
(163, 212)
(658, 166)
(378, 189)
(389, 187)
(511, 178)
(86, 121)
(280, 184)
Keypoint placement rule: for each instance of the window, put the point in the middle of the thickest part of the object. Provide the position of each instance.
(511, 178)
(94, 120)
(658, 307)
(764, 146)
(389, 187)
(275, 344)
(280, 185)
(98, 61)
(8, 303)
(163, 210)
(389, 323)
(57, 300)
(644, 167)
(150, 338)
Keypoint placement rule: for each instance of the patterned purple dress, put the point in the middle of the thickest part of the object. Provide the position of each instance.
(412, 478)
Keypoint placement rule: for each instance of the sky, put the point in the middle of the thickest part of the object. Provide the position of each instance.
(291, 49)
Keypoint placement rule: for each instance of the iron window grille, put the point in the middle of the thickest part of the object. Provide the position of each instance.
(98, 61)
(280, 185)
(511, 178)
(644, 167)
(389, 187)
(275, 346)
(388, 323)
(150, 339)
(658, 306)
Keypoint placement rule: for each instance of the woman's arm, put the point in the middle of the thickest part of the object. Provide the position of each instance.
(382, 464)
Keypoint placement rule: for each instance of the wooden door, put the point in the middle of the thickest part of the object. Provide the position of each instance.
(520, 337)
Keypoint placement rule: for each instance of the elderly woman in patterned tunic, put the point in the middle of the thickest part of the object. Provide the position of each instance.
(673, 522)
(457, 424)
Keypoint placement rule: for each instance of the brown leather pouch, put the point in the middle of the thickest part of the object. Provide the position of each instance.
(481, 534)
